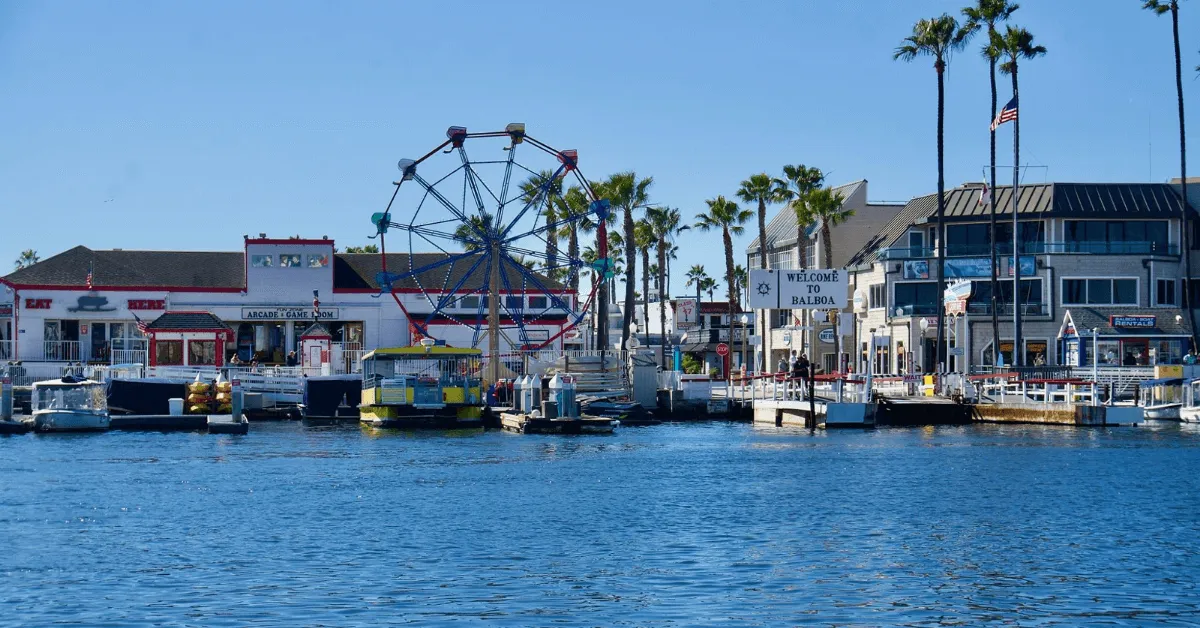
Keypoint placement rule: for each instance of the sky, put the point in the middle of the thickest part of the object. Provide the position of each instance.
(183, 125)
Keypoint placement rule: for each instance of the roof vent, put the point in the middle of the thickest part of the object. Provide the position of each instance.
(262, 236)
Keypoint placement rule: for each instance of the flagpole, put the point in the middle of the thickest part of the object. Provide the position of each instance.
(1016, 266)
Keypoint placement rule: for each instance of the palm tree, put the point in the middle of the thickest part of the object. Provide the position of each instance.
(825, 208)
(696, 276)
(467, 233)
(575, 203)
(801, 181)
(530, 190)
(664, 224)
(369, 248)
(27, 258)
(710, 285)
(936, 37)
(988, 13)
(672, 255)
(1013, 45)
(763, 190)
(743, 279)
(1160, 7)
(729, 218)
(643, 233)
(627, 193)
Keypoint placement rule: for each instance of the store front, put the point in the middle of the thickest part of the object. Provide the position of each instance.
(1123, 340)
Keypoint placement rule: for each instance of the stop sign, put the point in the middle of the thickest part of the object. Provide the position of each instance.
(722, 349)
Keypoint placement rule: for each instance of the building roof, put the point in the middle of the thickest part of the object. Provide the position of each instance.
(120, 268)
(1088, 318)
(1040, 200)
(781, 229)
(226, 271)
(316, 330)
(360, 271)
(191, 321)
(719, 307)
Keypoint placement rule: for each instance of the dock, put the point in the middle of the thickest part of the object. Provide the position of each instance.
(522, 423)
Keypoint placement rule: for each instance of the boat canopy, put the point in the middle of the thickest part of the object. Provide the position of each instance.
(66, 383)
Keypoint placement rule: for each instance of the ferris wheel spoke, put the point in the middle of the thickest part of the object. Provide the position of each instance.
(533, 278)
(508, 166)
(518, 317)
(445, 203)
(471, 178)
(450, 296)
(543, 190)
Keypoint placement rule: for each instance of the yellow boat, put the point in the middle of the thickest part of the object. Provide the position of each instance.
(425, 386)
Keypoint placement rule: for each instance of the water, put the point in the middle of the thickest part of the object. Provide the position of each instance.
(674, 525)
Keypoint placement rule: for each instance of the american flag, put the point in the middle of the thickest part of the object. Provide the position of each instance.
(1007, 114)
(985, 195)
(89, 277)
(141, 324)
(316, 306)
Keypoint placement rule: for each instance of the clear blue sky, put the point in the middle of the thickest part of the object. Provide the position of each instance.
(206, 120)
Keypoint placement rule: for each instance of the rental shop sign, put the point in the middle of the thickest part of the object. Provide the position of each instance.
(813, 289)
(287, 313)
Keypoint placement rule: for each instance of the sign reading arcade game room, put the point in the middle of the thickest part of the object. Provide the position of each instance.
(813, 289)
(287, 313)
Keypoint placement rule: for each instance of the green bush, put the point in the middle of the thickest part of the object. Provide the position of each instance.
(691, 364)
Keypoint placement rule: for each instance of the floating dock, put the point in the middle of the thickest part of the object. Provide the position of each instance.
(527, 424)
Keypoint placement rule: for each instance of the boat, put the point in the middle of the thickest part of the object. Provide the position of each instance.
(1162, 398)
(1189, 412)
(70, 404)
(426, 386)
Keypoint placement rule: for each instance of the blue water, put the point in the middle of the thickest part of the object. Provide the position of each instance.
(674, 525)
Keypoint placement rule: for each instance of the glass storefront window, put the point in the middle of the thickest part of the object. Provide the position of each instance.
(1109, 353)
(202, 352)
(261, 342)
(168, 352)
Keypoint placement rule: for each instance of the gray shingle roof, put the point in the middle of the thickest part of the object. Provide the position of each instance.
(1045, 200)
(781, 229)
(1087, 318)
(187, 320)
(359, 270)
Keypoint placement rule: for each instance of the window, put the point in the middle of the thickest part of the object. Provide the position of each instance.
(538, 303)
(878, 297)
(1116, 236)
(783, 317)
(202, 352)
(1165, 292)
(916, 241)
(168, 352)
(918, 297)
(514, 303)
(260, 261)
(318, 261)
(1033, 234)
(975, 239)
(1100, 292)
(289, 260)
(469, 303)
(811, 254)
(981, 295)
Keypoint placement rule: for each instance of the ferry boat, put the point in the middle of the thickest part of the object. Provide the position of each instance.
(1189, 412)
(425, 386)
(1163, 398)
(69, 404)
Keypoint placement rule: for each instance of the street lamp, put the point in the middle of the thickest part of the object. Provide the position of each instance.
(745, 318)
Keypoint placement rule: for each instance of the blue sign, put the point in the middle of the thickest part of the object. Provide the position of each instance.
(1028, 267)
(964, 267)
(916, 269)
(1133, 320)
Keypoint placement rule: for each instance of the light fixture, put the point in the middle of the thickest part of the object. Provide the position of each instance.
(745, 319)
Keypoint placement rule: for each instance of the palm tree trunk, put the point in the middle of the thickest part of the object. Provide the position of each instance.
(646, 293)
(630, 276)
(730, 281)
(573, 253)
(941, 213)
(602, 293)
(1183, 216)
(992, 238)
(662, 302)
(762, 263)
(1018, 354)
(551, 241)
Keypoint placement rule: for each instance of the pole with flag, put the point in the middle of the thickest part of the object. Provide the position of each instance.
(90, 275)
(316, 307)
(1009, 114)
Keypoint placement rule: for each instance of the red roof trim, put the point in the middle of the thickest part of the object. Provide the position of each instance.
(84, 288)
(419, 291)
(286, 241)
(222, 332)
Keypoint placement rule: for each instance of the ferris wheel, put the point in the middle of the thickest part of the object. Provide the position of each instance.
(488, 240)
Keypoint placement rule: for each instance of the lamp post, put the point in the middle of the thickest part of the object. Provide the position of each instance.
(745, 318)
(1095, 352)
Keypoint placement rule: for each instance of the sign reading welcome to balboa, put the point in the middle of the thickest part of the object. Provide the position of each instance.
(287, 313)
(813, 289)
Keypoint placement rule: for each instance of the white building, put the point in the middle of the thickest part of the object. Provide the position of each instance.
(85, 304)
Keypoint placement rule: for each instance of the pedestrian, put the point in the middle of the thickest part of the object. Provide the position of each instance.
(782, 367)
(291, 358)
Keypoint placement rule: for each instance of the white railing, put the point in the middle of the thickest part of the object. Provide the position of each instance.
(346, 357)
(26, 373)
(1121, 379)
(57, 350)
(128, 356)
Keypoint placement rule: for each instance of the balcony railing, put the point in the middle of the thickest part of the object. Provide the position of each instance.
(1006, 309)
(58, 351)
(1033, 248)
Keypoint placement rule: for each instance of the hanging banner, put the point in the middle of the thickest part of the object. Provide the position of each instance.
(916, 269)
(968, 267)
(1028, 266)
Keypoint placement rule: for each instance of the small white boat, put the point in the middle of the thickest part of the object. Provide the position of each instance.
(1190, 411)
(1163, 398)
(69, 405)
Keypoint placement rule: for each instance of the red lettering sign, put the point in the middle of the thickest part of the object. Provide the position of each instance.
(38, 304)
(147, 304)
